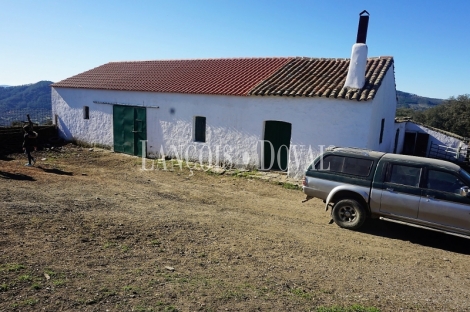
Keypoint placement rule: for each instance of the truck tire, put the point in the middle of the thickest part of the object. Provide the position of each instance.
(349, 214)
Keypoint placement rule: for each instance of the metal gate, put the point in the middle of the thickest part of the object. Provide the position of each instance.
(130, 128)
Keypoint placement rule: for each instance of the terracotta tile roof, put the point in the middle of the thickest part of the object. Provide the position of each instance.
(236, 76)
(314, 77)
(276, 76)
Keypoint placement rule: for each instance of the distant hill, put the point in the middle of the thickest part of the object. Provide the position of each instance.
(32, 96)
(3, 86)
(18, 101)
(416, 102)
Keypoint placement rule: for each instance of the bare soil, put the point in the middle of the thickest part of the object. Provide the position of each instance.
(89, 231)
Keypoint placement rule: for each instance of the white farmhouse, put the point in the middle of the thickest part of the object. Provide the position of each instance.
(266, 113)
(228, 106)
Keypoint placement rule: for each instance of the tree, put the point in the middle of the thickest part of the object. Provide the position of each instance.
(452, 116)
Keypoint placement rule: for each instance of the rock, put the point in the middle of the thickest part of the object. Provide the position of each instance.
(43, 159)
(169, 268)
(91, 150)
(217, 170)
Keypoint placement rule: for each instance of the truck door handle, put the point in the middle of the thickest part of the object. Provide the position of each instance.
(429, 196)
(389, 189)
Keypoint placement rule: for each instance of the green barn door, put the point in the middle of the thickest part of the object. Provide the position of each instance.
(140, 129)
(130, 127)
(278, 133)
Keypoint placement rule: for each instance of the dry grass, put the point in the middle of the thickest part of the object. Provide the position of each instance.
(89, 231)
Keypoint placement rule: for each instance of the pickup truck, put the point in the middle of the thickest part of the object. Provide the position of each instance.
(359, 184)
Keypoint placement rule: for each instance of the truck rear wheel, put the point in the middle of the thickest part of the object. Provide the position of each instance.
(349, 214)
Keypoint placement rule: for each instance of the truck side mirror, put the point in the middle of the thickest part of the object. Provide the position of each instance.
(464, 191)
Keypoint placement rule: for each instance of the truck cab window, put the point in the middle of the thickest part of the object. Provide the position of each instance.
(444, 182)
(404, 175)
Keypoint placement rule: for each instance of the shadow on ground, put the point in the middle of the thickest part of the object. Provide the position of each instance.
(16, 176)
(5, 158)
(55, 171)
(418, 236)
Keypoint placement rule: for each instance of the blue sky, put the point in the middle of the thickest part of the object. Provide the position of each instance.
(53, 40)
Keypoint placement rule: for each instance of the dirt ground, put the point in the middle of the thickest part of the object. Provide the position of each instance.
(90, 231)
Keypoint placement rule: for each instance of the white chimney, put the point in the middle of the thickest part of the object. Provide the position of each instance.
(357, 66)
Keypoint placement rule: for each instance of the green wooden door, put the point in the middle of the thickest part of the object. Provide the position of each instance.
(278, 133)
(130, 128)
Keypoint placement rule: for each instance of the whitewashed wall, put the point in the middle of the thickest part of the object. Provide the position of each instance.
(68, 105)
(234, 124)
(401, 127)
(384, 106)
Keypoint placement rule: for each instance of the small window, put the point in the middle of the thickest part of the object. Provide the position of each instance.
(382, 130)
(404, 175)
(444, 182)
(348, 165)
(200, 129)
(86, 112)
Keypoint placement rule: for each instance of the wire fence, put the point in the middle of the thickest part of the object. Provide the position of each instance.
(17, 117)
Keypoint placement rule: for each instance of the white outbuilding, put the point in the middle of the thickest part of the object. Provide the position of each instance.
(266, 113)
(224, 111)
(416, 139)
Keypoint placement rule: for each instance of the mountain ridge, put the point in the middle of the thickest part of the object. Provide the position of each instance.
(31, 96)
(416, 102)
